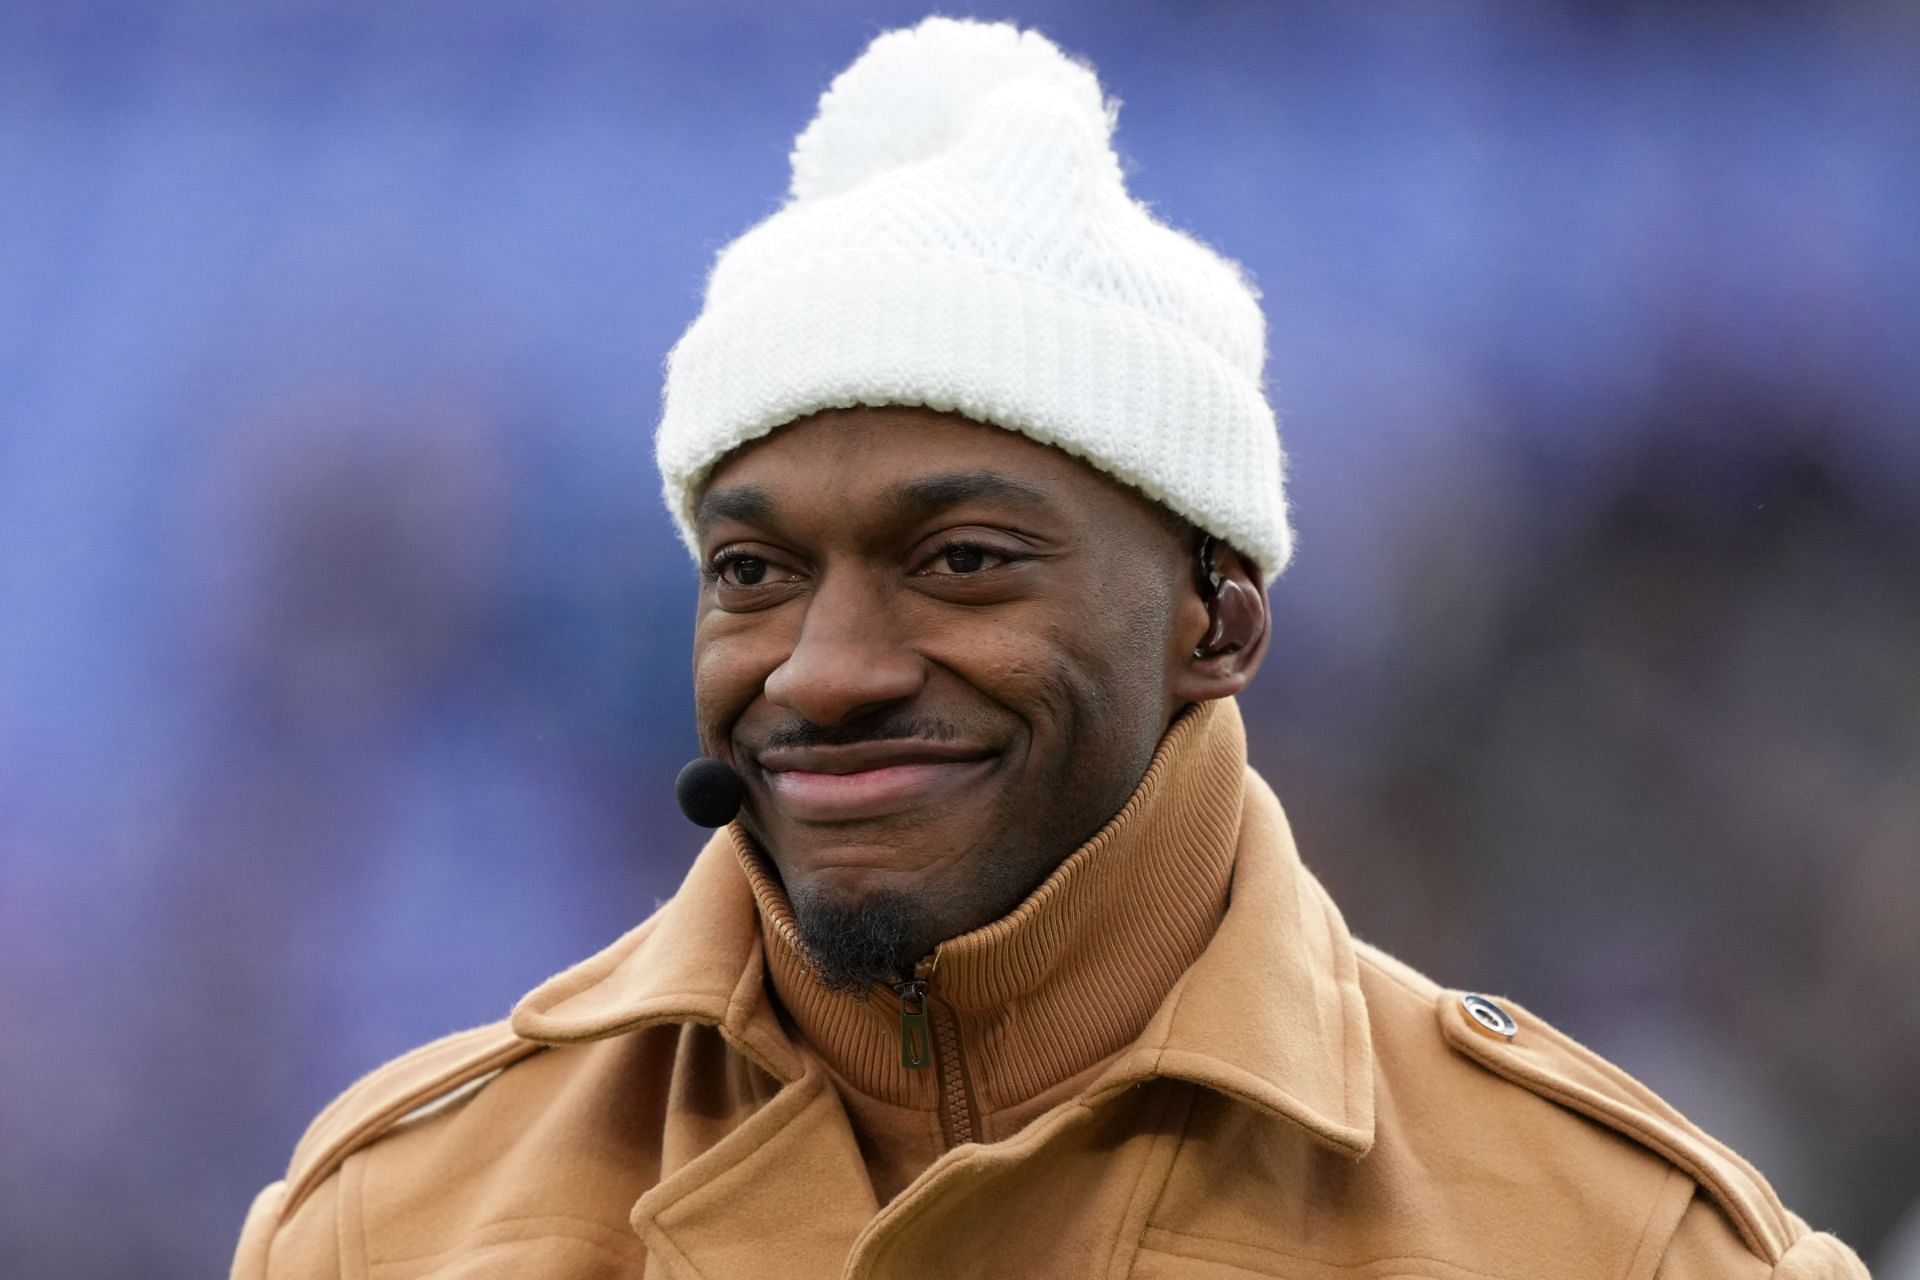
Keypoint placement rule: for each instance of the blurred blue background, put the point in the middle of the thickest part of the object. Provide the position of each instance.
(344, 640)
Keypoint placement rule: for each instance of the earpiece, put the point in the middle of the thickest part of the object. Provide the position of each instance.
(1227, 601)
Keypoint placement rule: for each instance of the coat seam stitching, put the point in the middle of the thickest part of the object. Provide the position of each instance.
(1346, 1022)
(1139, 1184)
(491, 1223)
(624, 1259)
(1646, 1227)
(306, 1174)
(1744, 1216)
(675, 1255)
(1179, 1145)
(1307, 1258)
(360, 1220)
(340, 1250)
(1424, 995)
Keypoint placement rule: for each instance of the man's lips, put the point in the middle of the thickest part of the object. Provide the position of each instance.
(867, 779)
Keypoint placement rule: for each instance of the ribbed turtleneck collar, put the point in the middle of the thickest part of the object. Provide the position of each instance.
(1075, 972)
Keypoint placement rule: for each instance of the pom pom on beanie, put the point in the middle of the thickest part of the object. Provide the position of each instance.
(912, 92)
(958, 235)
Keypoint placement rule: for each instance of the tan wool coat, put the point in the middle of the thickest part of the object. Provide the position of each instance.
(1171, 1061)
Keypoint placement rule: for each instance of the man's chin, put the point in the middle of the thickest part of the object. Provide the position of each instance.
(863, 859)
(855, 940)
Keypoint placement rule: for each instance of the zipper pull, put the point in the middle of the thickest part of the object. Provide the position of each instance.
(916, 1034)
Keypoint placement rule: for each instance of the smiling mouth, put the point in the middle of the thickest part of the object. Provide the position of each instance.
(868, 780)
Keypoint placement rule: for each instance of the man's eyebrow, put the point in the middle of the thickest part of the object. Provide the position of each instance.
(936, 493)
(744, 503)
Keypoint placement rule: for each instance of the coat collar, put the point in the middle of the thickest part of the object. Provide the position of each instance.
(1270, 1015)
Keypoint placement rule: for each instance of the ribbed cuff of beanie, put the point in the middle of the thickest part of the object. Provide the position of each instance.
(1134, 395)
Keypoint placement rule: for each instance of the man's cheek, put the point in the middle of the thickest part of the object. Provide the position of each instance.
(1011, 667)
(726, 681)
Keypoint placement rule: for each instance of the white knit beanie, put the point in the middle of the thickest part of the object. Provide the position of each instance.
(959, 235)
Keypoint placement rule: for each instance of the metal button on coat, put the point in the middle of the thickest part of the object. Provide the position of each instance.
(1488, 1018)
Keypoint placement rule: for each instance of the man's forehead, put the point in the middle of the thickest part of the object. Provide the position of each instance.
(759, 502)
(898, 464)
(901, 459)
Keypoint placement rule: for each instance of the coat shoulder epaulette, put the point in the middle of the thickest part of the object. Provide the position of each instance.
(429, 1077)
(1513, 1044)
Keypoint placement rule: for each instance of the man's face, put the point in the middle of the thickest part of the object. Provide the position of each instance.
(939, 654)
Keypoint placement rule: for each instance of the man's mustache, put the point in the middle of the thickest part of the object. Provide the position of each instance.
(804, 733)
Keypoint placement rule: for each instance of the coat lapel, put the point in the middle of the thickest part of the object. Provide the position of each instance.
(792, 1161)
(698, 959)
(792, 1167)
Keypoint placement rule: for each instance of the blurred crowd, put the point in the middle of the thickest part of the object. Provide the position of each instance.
(1655, 766)
(344, 643)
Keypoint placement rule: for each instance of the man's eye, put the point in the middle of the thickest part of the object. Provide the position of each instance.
(741, 571)
(964, 558)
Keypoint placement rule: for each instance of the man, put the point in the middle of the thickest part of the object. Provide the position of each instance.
(1008, 965)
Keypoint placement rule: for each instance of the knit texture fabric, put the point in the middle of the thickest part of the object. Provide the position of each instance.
(959, 235)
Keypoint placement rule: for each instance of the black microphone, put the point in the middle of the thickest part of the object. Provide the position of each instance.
(709, 792)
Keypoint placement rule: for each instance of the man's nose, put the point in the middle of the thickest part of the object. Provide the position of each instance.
(850, 658)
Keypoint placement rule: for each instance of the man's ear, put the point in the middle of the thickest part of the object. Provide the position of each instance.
(1220, 658)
